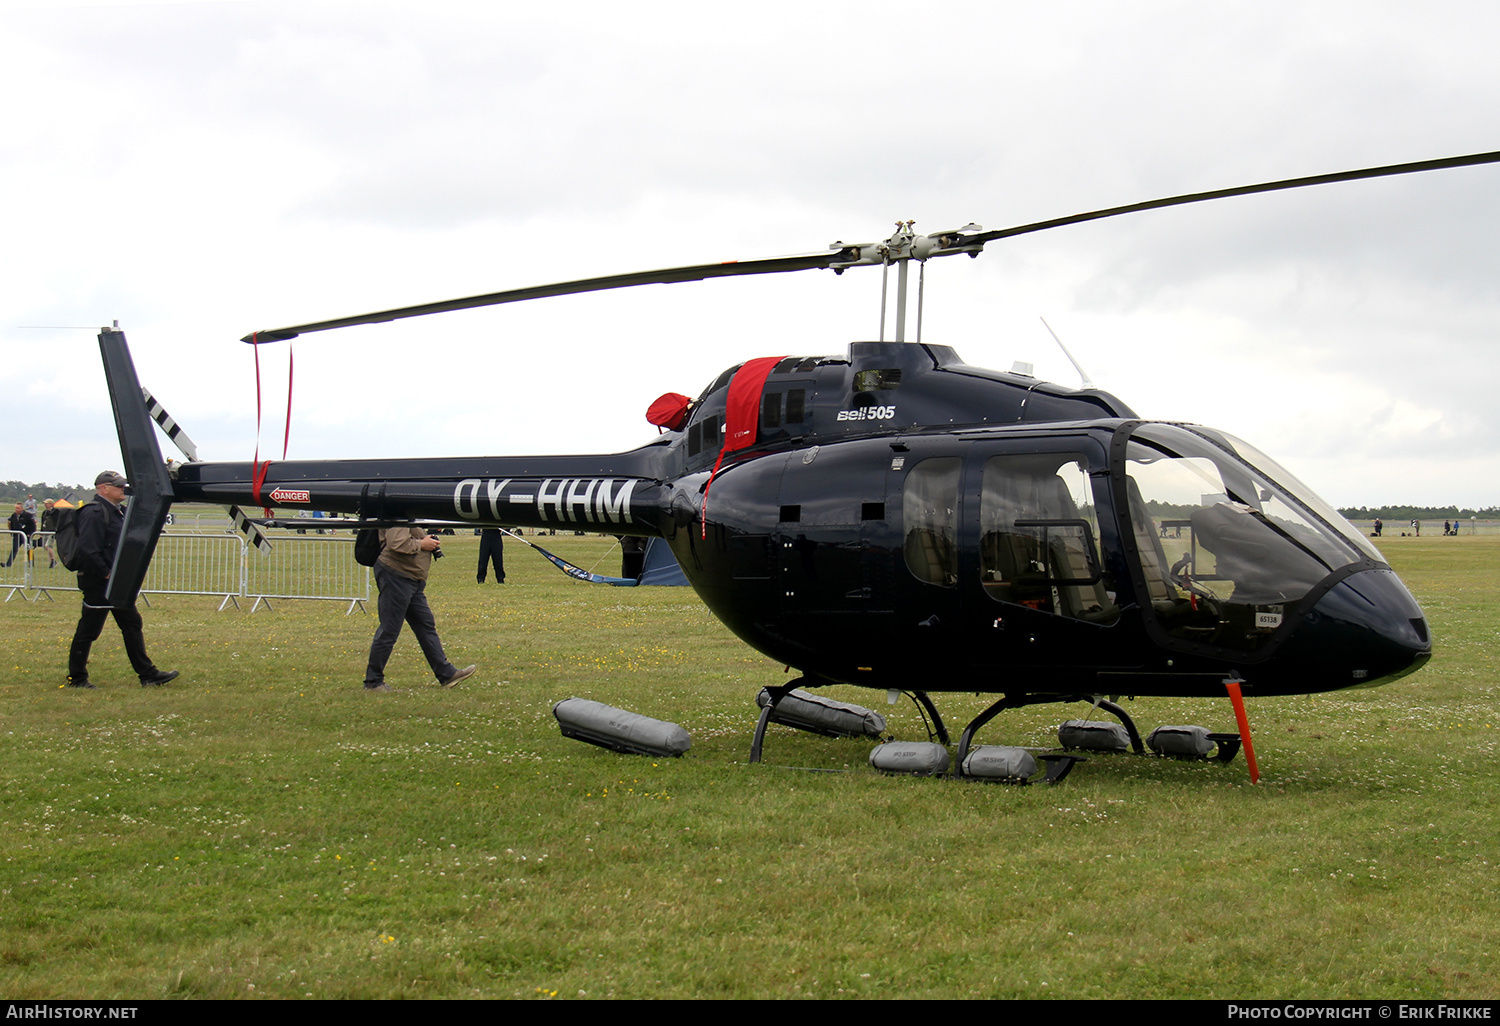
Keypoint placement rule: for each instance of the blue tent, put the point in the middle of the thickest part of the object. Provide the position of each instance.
(660, 566)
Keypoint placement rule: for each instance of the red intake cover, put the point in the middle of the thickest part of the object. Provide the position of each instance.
(670, 411)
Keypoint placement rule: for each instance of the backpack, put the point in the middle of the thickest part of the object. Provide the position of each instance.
(66, 538)
(367, 545)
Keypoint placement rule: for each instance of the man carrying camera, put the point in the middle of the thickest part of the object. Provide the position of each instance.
(406, 555)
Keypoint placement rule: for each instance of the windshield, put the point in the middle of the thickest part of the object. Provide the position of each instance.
(1227, 541)
(1276, 472)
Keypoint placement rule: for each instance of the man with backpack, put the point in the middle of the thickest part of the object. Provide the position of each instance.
(406, 555)
(98, 530)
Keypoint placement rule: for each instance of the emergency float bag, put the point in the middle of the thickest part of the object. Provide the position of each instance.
(1193, 741)
(913, 758)
(1093, 735)
(619, 729)
(999, 762)
(823, 715)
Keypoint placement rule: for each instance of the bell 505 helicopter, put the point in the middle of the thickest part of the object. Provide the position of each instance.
(894, 518)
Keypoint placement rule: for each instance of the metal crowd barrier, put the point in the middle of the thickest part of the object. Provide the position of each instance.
(202, 523)
(203, 564)
(213, 522)
(13, 572)
(196, 564)
(308, 567)
(47, 574)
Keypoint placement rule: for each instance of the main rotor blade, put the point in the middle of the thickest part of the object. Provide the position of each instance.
(697, 272)
(840, 256)
(1243, 190)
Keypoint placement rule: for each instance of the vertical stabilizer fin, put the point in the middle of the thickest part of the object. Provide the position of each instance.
(151, 485)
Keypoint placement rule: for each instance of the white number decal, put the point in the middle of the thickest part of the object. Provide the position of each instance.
(868, 413)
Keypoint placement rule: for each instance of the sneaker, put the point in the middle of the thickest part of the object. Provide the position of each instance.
(464, 674)
(379, 687)
(80, 684)
(159, 678)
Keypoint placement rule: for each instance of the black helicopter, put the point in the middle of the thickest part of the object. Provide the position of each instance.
(897, 519)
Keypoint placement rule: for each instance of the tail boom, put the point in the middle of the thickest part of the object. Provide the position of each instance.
(586, 493)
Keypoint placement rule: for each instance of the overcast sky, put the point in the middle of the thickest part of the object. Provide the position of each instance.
(199, 170)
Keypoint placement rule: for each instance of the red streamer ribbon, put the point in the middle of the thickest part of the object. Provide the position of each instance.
(259, 469)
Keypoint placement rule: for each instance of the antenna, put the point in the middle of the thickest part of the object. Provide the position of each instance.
(66, 327)
(1087, 383)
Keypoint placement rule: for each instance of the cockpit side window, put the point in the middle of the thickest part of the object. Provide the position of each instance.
(1039, 537)
(930, 512)
(1228, 554)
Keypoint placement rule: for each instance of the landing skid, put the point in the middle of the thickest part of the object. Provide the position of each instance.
(1021, 701)
(935, 726)
(1229, 746)
(1059, 764)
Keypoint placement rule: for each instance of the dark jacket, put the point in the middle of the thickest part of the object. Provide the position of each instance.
(98, 533)
(23, 522)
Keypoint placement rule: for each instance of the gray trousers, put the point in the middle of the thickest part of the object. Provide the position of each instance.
(403, 600)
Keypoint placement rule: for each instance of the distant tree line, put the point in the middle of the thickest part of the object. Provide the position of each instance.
(12, 492)
(1168, 511)
(1398, 513)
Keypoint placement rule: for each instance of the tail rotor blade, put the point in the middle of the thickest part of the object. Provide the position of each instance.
(179, 437)
(250, 529)
(171, 427)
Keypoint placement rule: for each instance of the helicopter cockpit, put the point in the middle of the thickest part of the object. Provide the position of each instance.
(1229, 545)
(1039, 536)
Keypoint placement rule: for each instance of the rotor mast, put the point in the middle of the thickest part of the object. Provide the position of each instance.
(901, 249)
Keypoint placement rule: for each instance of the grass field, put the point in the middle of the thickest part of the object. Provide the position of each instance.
(263, 828)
